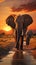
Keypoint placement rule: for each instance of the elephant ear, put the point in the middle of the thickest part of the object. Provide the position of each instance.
(10, 21)
(27, 19)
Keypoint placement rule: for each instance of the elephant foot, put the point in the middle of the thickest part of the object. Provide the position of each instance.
(21, 47)
(17, 46)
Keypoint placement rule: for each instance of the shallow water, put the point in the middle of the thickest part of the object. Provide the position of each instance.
(27, 57)
(18, 58)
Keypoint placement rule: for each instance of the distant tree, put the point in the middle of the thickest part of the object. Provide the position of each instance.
(2, 34)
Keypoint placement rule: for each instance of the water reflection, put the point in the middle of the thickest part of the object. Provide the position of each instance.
(23, 58)
(18, 59)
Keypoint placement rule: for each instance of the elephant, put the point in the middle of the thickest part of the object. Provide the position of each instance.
(23, 22)
(29, 36)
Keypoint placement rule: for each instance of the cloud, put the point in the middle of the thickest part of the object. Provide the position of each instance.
(19, 5)
(26, 7)
(15, 3)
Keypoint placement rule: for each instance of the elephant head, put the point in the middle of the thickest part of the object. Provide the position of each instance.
(26, 19)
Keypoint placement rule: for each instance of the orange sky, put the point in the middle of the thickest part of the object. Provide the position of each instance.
(5, 11)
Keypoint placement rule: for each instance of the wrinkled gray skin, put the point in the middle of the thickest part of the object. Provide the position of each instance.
(23, 22)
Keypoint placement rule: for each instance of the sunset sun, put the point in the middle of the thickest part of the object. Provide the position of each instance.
(7, 28)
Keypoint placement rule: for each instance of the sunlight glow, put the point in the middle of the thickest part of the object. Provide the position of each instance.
(7, 28)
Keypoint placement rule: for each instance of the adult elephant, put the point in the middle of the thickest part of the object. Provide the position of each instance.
(23, 22)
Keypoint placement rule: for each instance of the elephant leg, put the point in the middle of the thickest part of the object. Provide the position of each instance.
(21, 47)
(18, 38)
(24, 33)
(22, 38)
(27, 40)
